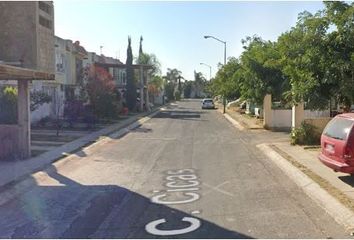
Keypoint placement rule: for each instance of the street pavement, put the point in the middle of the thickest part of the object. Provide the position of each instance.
(186, 173)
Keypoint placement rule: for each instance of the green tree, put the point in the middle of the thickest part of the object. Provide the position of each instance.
(150, 59)
(340, 51)
(131, 95)
(187, 89)
(259, 72)
(172, 77)
(199, 83)
(155, 86)
(170, 91)
(224, 83)
(8, 105)
(305, 61)
(38, 98)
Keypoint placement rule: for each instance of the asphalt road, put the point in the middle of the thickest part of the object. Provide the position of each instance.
(186, 173)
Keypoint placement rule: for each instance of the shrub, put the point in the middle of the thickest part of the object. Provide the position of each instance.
(43, 121)
(8, 105)
(178, 95)
(38, 98)
(73, 111)
(89, 117)
(306, 134)
(103, 96)
(169, 91)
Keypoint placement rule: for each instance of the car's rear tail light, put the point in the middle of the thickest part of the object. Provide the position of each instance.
(348, 152)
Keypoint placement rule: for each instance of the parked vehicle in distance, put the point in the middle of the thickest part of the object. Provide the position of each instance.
(208, 103)
(337, 144)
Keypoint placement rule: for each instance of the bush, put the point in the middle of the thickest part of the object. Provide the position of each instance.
(38, 98)
(73, 110)
(169, 91)
(89, 117)
(104, 98)
(178, 95)
(44, 121)
(306, 134)
(8, 105)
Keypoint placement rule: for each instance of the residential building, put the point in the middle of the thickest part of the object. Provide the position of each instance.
(19, 20)
(27, 40)
(118, 73)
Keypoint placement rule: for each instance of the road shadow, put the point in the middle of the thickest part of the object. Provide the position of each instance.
(141, 129)
(68, 209)
(182, 115)
(347, 179)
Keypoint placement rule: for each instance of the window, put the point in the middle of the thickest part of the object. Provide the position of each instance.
(45, 22)
(116, 75)
(124, 78)
(45, 7)
(59, 60)
(338, 128)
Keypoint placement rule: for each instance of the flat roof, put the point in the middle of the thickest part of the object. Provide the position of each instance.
(135, 66)
(8, 72)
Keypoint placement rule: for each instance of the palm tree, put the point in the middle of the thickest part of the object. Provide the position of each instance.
(173, 75)
(199, 82)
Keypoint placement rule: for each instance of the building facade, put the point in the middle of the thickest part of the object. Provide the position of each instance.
(18, 44)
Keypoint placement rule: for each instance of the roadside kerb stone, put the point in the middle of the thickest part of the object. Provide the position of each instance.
(331, 205)
(234, 122)
(13, 172)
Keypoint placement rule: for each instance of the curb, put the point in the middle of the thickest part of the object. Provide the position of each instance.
(234, 122)
(6, 191)
(331, 205)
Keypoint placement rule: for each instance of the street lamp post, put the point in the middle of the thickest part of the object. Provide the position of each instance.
(217, 39)
(209, 69)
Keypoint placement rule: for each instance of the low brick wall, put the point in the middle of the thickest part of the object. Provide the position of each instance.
(319, 123)
(8, 141)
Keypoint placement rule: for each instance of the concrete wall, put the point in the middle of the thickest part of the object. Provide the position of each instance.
(41, 112)
(316, 114)
(61, 60)
(52, 109)
(281, 119)
(285, 119)
(45, 40)
(17, 41)
(8, 141)
(318, 123)
(22, 37)
(267, 112)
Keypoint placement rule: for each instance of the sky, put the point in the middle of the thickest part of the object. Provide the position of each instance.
(174, 31)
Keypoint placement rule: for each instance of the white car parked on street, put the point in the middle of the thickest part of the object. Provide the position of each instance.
(208, 103)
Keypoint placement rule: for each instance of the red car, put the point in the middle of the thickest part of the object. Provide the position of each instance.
(337, 144)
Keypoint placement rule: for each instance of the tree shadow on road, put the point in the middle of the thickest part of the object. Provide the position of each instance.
(65, 208)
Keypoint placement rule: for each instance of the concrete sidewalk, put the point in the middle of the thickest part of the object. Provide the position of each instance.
(14, 171)
(247, 121)
(243, 120)
(334, 192)
(308, 158)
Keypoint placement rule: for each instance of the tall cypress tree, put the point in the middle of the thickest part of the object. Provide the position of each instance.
(141, 46)
(131, 88)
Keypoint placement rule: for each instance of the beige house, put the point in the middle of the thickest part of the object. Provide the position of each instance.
(20, 47)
